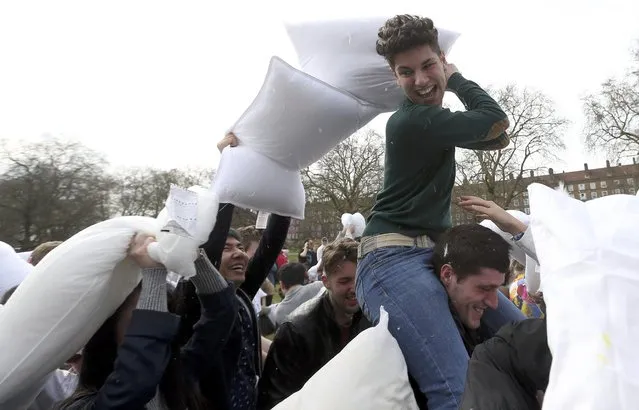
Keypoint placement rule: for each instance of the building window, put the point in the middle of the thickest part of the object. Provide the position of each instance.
(604, 193)
(516, 202)
(630, 181)
(583, 196)
(571, 188)
(593, 194)
(617, 191)
(631, 191)
(527, 210)
(525, 201)
(593, 185)
(603, 184)
(582, 187)
(525, 194)
(617, 182)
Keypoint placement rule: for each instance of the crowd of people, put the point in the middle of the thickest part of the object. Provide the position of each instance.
(458, 304)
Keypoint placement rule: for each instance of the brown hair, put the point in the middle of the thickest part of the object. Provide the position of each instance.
(41, 251)
(404, 32)
(337, 252)
(249, 234)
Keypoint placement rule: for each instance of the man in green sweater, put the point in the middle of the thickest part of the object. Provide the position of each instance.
(413, 208)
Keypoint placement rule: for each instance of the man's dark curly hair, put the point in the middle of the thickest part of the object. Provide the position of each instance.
(404, 32)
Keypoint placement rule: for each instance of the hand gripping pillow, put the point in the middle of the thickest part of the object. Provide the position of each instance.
(65, 299)
(370, 373)
(588, 257)
(251, 180)
(342, 54)
(190, 216)
(296, 119)
(516, 253)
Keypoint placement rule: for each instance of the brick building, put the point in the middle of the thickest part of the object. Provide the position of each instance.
(585, 184)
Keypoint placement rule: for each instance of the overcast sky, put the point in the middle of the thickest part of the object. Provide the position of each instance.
(158, 82)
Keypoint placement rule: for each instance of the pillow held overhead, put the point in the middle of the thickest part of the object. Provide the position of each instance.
(296, 119)
(342, 54)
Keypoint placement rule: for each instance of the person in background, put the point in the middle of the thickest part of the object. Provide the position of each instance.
(308, 256)
(42, 250)
(518, 293)
(314, 333)
(242, 352)
(320, 250)
(292, 277)
(413, 208)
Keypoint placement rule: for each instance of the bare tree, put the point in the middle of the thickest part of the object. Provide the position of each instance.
(143, 191)
(536, 135)
(612, 116)
(51, 190)
(349, 176)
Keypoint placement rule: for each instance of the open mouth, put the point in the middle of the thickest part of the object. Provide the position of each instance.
(427, 92)
(479, 310)
(238, 267)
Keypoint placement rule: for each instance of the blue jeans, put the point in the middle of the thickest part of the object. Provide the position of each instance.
(402, 280)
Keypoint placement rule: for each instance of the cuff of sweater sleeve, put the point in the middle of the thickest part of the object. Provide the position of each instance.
(153, 294)
(207, 279)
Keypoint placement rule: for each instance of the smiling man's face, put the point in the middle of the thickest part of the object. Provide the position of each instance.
(234, 261)
(473, 294)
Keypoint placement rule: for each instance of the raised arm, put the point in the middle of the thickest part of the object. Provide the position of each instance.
(270, 246)
(219, 310)
(482, 125)
(217, 238)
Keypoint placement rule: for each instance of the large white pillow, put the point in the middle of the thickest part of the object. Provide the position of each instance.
(251, 180)
(588, 253)
(65, 299)
(296, 119)
(342, 54)
(370, 373)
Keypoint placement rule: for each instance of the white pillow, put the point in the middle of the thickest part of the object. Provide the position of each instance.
(357, 220)
(13, 268)
(370, 373)
(65, 299)
(342, 54)
(588, 257)
(296, 119)
(516, 252)
(251, 180)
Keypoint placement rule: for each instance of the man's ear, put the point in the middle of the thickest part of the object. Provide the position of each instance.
(325, 281)
(446, 274)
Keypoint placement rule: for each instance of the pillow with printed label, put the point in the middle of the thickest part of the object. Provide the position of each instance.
(588, 256)
(369, 373)
(65, 299)
(296, 119)
(251, 180)
(342, 54)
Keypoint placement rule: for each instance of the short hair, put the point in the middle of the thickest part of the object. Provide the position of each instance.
(405, 32)
(248, 235)
(235, 235)
(337, 252)
(468, 248)
(292, 274)
(42, 250)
